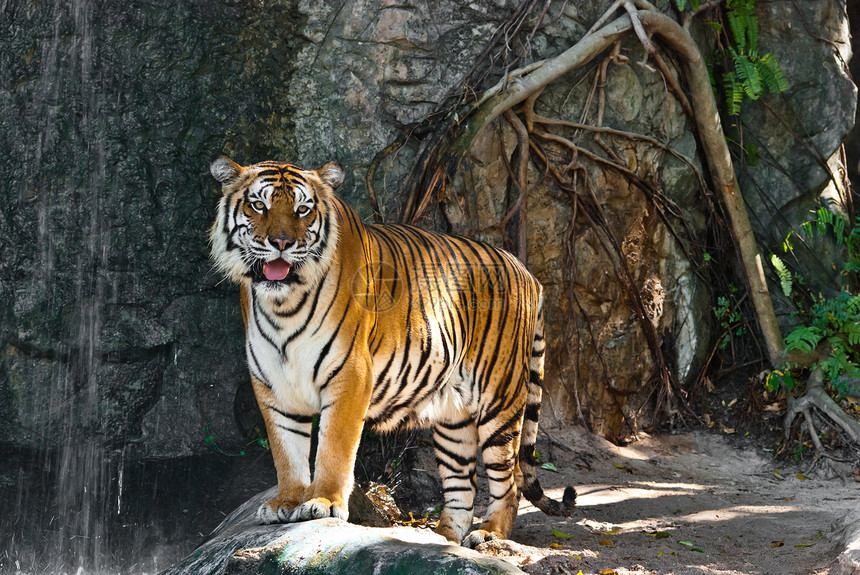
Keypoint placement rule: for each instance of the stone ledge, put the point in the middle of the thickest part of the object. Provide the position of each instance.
(848, 562)
(240, 546)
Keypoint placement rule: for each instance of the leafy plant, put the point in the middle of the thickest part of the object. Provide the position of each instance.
(732, 320)
(681, 4)
(747, 75)
(209, 440)
(833, 320)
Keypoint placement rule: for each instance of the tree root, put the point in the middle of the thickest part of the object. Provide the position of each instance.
(817, 397)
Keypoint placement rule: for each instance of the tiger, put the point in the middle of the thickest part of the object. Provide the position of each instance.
(386, 325)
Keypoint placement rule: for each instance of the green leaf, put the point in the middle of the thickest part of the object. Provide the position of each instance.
(557, 533)
(549, 466)
(748, 75)
(783, 273)
(803, 338)
(751, 150)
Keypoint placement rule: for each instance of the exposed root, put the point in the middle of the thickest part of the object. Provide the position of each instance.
(817, 397)
(372, 196)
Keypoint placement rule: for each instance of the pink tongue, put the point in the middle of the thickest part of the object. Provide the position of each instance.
(276, 270)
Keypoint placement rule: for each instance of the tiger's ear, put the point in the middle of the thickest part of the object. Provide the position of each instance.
(225, 170)
(332, 174)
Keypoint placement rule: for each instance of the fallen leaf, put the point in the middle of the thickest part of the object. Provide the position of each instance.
(607, 572)
(557, 533)
(578, 557)
(658, 535)
(856, 472)
(802, 477)
(612, 532)
(659, 554)
(772, 407)
(776, 544)
(804, 544)
(727, 430)
(687, 543)
(732, 402)
(549, 466)
(554, 546)
(607, 542)
(618, 465)
(778, 475)
(697, 550)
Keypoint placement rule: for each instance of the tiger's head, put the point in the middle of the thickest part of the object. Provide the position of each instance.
(274, 227)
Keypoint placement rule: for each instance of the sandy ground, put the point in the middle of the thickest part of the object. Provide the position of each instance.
(696, 502)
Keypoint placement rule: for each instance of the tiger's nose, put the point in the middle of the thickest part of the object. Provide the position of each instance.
(281, 243)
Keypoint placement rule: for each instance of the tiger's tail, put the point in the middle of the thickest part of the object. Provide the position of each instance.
(530, 486)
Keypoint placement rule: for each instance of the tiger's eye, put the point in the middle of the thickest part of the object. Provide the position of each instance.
(259, 206)
(302, 210)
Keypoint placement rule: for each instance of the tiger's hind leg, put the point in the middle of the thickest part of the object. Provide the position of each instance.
(500, 444)
(456, 446)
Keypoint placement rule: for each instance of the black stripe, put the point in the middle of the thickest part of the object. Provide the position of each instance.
(503, 495)
(327, 347)
(452, 426)
(499, 466)
(461, 460)
(291, 430)
(295, 310)
(261, 376)
(455, 488)
(533, 411)
(294, 416)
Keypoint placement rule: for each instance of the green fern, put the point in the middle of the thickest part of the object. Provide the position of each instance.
(771, 73)
(749, 75)
(783, 273)
(830, 324)
(734, 93)
(743, 24)
(803, 338)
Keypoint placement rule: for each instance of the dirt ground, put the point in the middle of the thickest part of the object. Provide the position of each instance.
(696, 502)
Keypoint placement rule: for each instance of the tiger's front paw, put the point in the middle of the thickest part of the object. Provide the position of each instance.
(318, 508)
(479, 536)
(274, 512)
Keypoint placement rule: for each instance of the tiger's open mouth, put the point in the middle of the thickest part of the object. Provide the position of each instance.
(277, 270)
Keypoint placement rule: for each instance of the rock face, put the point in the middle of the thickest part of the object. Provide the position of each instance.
(798, 136)
(329, 546)
(112, 324)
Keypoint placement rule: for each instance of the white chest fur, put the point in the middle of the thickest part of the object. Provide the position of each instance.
(284, 354)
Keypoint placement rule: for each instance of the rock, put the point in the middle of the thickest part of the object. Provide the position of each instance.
(848, 561)
(329, 546)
